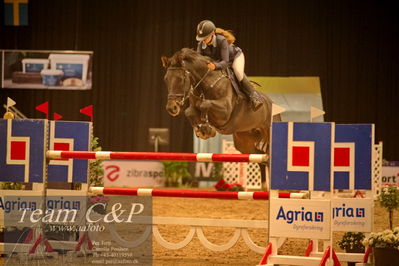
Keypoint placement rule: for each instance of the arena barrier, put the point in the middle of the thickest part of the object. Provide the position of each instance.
(149, 192)
(158, 156)
(196, 227)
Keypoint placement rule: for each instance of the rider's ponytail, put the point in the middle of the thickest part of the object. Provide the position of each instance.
(228, 34)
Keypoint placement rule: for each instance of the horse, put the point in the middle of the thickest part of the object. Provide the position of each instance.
(211, 104)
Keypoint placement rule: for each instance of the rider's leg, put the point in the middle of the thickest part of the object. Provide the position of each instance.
(246, 87)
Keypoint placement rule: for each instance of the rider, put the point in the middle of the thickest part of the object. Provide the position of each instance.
(218, 45)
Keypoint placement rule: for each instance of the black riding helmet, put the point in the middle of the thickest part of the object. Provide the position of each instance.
(204, 29)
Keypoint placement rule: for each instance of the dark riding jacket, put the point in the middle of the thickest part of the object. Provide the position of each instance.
(220, 51)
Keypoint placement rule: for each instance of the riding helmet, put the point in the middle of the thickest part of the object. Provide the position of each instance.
(204, 29)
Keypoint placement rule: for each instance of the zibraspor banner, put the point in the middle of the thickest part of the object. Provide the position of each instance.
(133, 173)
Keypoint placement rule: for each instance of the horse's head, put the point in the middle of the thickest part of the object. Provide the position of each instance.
(177, 82)
(180, 69)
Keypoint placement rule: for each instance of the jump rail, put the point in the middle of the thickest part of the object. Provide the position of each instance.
(148, 192)
(158, 156)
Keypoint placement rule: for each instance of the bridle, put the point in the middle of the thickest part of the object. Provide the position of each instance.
(186, 93)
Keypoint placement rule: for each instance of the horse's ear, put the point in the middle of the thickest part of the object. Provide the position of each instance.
(165, 61)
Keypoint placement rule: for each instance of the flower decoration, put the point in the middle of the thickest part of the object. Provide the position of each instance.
(221, 185)
(98, 199)
(386, 239)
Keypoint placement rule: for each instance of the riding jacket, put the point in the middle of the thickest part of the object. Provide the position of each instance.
(220, 51)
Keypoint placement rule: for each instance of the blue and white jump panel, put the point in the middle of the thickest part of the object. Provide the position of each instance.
(22, 150)
(304, 155)
(69, 136)
(23, 145)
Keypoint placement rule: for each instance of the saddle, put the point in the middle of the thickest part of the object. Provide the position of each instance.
(235, 83)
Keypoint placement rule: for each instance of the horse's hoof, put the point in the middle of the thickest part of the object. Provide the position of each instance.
(213, 133)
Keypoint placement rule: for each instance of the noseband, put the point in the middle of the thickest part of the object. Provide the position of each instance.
(186, 93)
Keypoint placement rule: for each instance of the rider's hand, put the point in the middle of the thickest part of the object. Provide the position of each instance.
(211, 66)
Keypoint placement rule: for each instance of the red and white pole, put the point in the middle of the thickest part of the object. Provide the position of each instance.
(149, 192)
(158, 156)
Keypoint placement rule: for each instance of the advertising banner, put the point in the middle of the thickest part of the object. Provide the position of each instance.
(390, 176)
(133, 174)
(300, 218)
(352, 215)
(33, 69)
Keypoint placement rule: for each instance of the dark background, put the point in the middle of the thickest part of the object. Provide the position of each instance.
(351, 45)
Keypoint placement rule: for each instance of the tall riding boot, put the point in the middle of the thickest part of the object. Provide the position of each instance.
(248, 90)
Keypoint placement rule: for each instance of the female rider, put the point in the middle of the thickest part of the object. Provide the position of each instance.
(218, 44)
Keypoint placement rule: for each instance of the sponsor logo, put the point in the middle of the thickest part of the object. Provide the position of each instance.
(302, 215)
(18, 204)
(144, 173)
(112, 172)
(344, 211)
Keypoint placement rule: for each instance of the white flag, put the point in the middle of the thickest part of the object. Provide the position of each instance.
(315, 112)
(276, 109)
(10, 102)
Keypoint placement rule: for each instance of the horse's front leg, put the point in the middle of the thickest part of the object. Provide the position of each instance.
(204, 108)
(205, 130)
(193, 115)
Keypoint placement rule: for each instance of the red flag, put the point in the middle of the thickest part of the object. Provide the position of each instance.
(43, 108)
(57, 116)
(88, 110)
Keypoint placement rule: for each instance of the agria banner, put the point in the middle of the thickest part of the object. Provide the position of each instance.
(307, 218)
(300, 218)
(305, 156)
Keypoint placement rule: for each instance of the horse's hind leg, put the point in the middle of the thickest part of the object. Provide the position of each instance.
(265, 179)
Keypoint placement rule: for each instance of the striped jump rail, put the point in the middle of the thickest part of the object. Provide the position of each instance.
(174, 193)
(158, 156)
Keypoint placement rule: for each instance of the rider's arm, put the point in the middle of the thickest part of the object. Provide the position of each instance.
(224, 54)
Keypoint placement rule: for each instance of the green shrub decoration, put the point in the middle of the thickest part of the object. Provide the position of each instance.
(176, 173)
(96, 171)
(389, 199)
(352, 242)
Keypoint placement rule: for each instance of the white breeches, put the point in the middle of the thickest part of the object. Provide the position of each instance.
(238, 66)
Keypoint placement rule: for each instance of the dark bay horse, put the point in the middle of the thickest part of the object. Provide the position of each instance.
(212, 105)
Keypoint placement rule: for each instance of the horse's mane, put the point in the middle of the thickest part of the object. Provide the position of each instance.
(189, 55)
